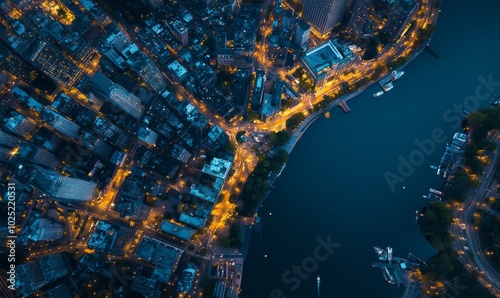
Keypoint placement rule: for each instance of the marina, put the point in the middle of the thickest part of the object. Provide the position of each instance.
(434, 195)
(395, 270)
(386, 83)
(452, 154)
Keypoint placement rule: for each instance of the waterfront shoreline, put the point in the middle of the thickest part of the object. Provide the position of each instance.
(297, 133)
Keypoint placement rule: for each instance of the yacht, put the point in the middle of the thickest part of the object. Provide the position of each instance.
(378, 94)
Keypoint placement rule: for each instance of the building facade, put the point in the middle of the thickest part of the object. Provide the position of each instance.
(302, 34)
(324, 15)
(359, 12)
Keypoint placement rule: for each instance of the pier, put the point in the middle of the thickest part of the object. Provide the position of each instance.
(414, 258)
(396, 270)
(432, 52)
(343, 105)
(387, 79)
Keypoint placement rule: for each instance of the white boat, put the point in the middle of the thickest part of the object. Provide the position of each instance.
(378, 250)
(436, 192)
(387, 87)
(397, 74)
(378, 94)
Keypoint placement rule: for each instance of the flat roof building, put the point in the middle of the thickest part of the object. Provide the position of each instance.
(43, 229)
(179, 70)
(52, 62)
(326, 61)
(165, 257)
(60, 123)
(63, 187)
(177, 230)
(218, 168)
(197, 222)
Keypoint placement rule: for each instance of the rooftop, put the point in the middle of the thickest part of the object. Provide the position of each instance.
(218, 168)
(177, 68)
(323, 57)
(192, 220)
(176, 230)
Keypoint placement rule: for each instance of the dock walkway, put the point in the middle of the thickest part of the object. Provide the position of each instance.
(343, 105)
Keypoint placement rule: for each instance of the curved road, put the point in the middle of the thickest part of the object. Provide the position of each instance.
(466, 237)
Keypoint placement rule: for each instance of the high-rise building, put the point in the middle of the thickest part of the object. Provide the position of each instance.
(258, 90)
(180, 32)
(359, 13)
(62, 187)
(106, 89)
(53, 63)
(324, 15)
(302, 33)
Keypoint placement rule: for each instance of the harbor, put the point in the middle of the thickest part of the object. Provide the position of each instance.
(387, 83)
(325, 160)
(434, 195)
(453, 153)
(398, 271)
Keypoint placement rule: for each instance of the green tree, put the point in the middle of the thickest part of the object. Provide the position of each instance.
(476, 119)
(435, 225)
(282, 137)
(295, 121)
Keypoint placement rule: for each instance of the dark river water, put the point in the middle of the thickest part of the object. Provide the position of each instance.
(334, 186)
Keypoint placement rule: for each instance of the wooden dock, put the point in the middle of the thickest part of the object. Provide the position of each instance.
(343, 105)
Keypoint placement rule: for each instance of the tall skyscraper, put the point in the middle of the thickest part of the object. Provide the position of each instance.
(324, 15)
(302, 33)
(106, 89)
(180, 32)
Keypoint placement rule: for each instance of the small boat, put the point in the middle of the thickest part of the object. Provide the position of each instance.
(387, 87)
(378, 250)
(397, 74)
(434, 167)
(378, 94)
(436, 192)
(387, 276)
